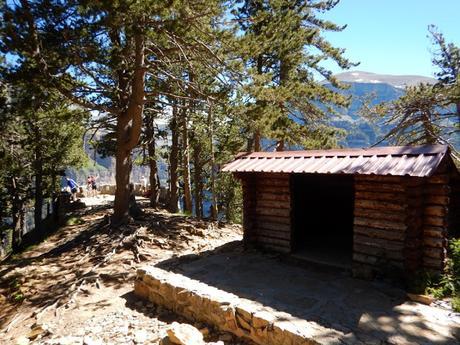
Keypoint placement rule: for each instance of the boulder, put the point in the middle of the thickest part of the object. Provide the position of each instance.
(184, 334)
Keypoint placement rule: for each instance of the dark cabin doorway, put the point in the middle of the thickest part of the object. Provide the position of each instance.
(323, 218)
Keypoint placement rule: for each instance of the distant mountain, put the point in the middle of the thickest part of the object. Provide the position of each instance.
(398, 81)
(376, 88)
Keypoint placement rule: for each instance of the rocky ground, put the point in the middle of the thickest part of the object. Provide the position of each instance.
(76, 286)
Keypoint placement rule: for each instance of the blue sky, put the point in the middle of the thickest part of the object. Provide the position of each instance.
(390, 36)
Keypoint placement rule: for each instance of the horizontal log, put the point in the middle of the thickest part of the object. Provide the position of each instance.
(272, 182)
(434, 231)
(266, 211)
(439, 211)
(274, 241)
(434, 253)
(359, 239)
(379, 233)
(274, 226)
(273, 204)
(273, 247)
(397, 216)
(434, 242)
(261, 232)
(384, 196)
(379, 252)
(431, 263)
(441, 178)
(378, 187)
(273, 196)
(365, 259)
(281, 176)
(436, 199)
(435, 221)
(274, 219)
(380, 223)
(273, 189)
(433, 189)
(413, 182)
(379, 205)
(379, 178)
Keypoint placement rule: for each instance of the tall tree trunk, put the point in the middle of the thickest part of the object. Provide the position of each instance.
(280, 145)
(128, 130)
(284, 76)
(38, 172)
(18, 216)
(257, 137)
(198, 181)
(213, 165)
(173, 163)
(153, 178)
(256, 141)
(186, 163)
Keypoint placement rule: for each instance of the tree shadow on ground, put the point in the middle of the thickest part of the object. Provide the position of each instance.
(53, 273)
(366, 311)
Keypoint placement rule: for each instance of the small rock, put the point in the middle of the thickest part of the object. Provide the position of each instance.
(140, 336)
(70, 340)
(87, 340)
(226, 337)
(424, 299)
(166, 341)
(22, 341)
(204, 331)
(184, 334)
(37, 330)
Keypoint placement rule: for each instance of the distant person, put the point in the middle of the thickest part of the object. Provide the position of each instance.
(143, 182)
(89, 186)
(73, 188)
(94, 185)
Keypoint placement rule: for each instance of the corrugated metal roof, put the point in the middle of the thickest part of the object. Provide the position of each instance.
(393, 160)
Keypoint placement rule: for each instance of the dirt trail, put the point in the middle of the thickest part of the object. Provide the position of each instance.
(76, 286)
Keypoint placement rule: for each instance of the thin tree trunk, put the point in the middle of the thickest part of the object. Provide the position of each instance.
(18, 216)
(173, 163)
(38, 170)
(153, 178)
(213, 163)
(128, 130)
(256, 141)
(198, 181)
(284, 75)
(257, 137)
(280, 145)
(186, 163)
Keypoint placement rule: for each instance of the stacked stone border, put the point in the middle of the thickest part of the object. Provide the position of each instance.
(227, 312)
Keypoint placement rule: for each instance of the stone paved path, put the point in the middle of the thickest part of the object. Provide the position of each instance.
(363, 311)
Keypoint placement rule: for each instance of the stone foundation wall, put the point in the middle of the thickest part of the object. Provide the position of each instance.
(244, 318)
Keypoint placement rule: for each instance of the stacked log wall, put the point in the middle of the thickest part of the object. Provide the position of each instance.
(272, 228)
(454, 206)
(437, 197)
(384, 219)
(248, 183)
(413, 245)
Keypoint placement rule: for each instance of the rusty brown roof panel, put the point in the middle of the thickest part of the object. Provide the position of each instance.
(393, 160)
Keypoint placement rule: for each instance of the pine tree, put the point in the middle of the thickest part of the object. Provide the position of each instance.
(100, 55)
(282, 48)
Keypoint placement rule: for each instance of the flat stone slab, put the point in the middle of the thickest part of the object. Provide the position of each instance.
(273, 303)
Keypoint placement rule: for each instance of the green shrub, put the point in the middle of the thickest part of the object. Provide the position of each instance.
(448, 284)
(456, 303)
(74, 221)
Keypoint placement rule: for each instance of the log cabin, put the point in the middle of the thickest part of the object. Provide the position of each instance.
(372, 210)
